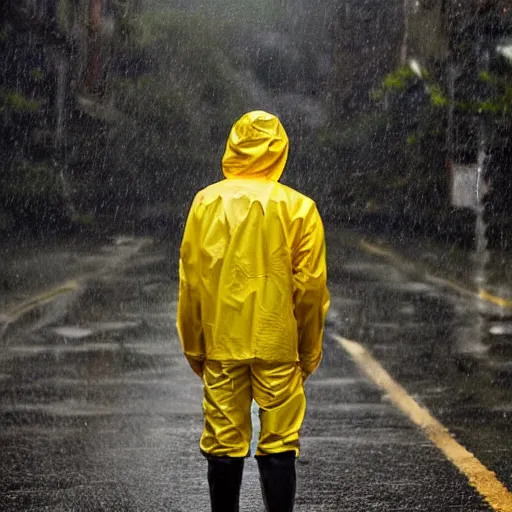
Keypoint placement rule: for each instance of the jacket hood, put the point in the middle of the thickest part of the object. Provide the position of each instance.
(257, 147)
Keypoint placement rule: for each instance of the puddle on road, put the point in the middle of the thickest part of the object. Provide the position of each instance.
(114, 326)
(505, 365)
(74, 333)
(124, 240)
(80, 332)
(467, 341)
(406, 309)
(499, 329)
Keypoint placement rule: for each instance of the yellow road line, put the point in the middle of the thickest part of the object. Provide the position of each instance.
(482, 295)
(375, 249)
(34, 302)
(499, 301)
(70, 286)
(41, 299)
(481, 478)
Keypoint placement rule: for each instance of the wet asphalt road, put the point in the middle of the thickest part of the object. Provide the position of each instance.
(99, 411)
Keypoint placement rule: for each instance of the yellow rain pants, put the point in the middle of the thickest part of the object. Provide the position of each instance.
(228, 393)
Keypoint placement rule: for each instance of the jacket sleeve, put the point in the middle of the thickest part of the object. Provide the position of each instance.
(189, 306)
(311, 297)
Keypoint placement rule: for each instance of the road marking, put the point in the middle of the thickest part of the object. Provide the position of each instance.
(34, 302)
(481, 478)
(125, 253)
(41, 299)
(499, 301)
(407, 266)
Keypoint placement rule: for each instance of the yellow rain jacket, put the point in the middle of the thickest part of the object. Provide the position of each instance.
(252, 260)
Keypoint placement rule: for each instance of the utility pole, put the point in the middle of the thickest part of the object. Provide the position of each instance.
(482, 254)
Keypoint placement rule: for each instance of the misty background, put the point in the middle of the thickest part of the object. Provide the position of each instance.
(115, 112)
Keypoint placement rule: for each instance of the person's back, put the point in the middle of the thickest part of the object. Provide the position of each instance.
(252, 305)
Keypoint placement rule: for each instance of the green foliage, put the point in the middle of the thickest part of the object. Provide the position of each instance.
(497, 105)
(437, 97)
(398, 80)
(152, 99)
(37, 75)
(85, 220)
(171, 37)
(5, 32)
(498, 102)
(12, 101)
(412, 139)
(486, 77)
(32, 193)
(174, 113)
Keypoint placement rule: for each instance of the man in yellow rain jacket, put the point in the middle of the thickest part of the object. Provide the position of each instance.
(251, 311)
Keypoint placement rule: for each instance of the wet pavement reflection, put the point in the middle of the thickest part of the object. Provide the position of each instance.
(451, 352)
(100, 412)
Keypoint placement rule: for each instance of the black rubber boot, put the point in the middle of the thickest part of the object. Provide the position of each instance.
(278, 481)
(225, 479)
